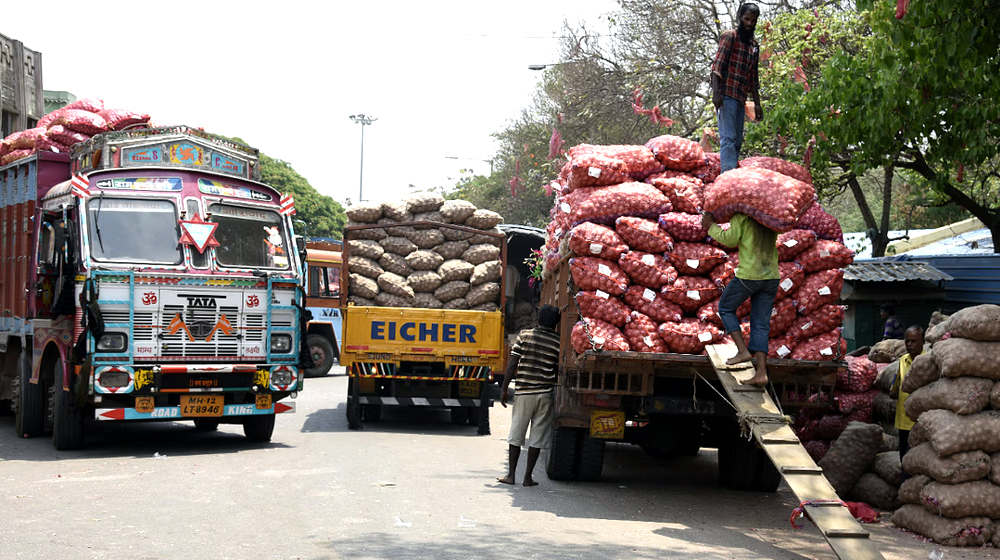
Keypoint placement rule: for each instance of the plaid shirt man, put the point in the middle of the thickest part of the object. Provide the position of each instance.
(736, 64)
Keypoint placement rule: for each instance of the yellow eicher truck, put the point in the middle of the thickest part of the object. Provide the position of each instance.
(421, 357)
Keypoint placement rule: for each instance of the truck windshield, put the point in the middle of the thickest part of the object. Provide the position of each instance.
(249, 237)
(131, 230)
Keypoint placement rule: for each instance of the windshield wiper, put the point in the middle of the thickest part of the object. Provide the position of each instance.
(97, 220)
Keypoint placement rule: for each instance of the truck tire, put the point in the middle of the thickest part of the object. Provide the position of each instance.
(353, 408)
(480, 416)
(206, 424)
(29, 418)
(259, 427)
(459, 415)
(563, 454)
(591, 458)
(67, 417)
(372, 412)
(768, 477)
(322, 355)
(745, 466)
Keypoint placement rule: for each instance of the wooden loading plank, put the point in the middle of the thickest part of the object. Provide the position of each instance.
(846, 537)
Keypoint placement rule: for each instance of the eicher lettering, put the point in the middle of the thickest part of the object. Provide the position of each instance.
(411, 331)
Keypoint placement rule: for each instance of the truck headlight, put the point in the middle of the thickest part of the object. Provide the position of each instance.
(281, 343)
(281, 377)
(113, 379)
(112, 342)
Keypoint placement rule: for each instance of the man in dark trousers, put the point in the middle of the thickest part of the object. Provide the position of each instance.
(734, 75)
(534, 361)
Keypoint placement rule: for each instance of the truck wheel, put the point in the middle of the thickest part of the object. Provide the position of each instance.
(353, 406)
(591, 458)
(259, 428)
(480, 416)
(31, 400)
(322, 355)
(372, 412)
(767, 477)
(459, 415)
(745, 466)
(563, 454)
(206, 424)
(67, 417)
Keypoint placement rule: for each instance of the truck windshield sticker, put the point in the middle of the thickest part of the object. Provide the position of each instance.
(142, 184)
(424, 332)
(208, 186)
(244, 241)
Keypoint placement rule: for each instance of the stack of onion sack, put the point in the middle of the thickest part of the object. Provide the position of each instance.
(59, 130)
(404, 264)
(953, 496)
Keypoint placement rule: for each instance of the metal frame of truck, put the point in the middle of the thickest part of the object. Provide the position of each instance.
(323, 302)
(388, 373)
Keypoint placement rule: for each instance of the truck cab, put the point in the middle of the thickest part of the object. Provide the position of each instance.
(323, 335)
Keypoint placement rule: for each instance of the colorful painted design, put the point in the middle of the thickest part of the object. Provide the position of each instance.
(167, 184)
(98, 387)
(140, 156)
(187, 154)
(220, 161)
(174, 412)
(199, 233)
(293, 378)
(209, 186)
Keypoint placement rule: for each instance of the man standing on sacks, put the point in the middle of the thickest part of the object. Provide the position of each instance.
(734, 75)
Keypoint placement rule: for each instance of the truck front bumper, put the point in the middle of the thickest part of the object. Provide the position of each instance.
(174, 412)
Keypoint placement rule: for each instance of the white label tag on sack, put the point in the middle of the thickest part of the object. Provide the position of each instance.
(807, 326)
(566, 207)
(824, 291)
(594, 172)
(823, 254)
(783, 351)
(786, 284)
(692, 263)
(598, 340)
(704, 336)
(559, 232)
(773, 312)
(648, 340)
(604, 269)
(826, 351)
(694, 294)
(790, 243)
(602, 295)
(596, 248)
(649, 260)
(649, 294)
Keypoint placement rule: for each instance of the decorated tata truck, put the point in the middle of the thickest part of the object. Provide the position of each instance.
(148, 276)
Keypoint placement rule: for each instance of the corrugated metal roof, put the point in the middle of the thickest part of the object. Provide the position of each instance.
(893, 271)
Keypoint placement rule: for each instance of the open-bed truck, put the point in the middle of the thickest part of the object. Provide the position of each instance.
(669, 404)
(419, 357)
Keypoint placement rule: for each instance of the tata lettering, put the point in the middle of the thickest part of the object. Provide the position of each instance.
(424, 332)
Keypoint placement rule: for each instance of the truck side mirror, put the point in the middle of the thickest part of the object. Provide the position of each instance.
(300, 243)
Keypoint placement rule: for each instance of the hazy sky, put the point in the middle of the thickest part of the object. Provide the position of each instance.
(439, 76)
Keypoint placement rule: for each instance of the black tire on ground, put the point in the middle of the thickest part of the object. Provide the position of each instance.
(33, 399)
(480, 417)
(563, 454)
(591, 458)
(206, 424)
(322, 354)
(67, 417)
(768, 477)
(372, 412)
(259, 427)
(353, 408)
(745, 466)
(459, 415)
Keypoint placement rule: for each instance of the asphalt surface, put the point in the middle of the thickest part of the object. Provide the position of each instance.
(411, 486)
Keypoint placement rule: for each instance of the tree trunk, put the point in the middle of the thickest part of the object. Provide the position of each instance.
(879, 236)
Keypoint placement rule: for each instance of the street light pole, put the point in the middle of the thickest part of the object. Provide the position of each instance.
(363, 120)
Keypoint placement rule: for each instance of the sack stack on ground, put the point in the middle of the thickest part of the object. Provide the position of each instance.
(408, 254)
(953, 496)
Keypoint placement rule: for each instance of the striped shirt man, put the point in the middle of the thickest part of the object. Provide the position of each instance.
(537, 351)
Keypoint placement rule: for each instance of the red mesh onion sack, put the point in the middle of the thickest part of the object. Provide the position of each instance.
(683, 227)
(824, 225)
(690, 293)
(776, 201)
(684, 195)
(863, 414)
(825, 347)
(783, 315)
(601, 305)
(80, 121)
(859, 376)
(594, 240)
(832, 425)
(46, 144)
(606, 204)
(23, 140)
(806, 428)
(818, 289)
(595, 334)
(711, 169)
(825, 254)
(696, 259)
(792, 278)
(672, 174)
(652, 303)
(817, 448)
(592, 273)
(822, 320)
(710, 312)
(744, 331)
(674, 152)
(637, 162)
(15, 155)
(689, 335)
(89, 104)
(46, 121)
(595, 170)
(722, 273)
(120, 119)
(646, 269)
(780, 347)
(793, 242)
(643, 235)
(848, 402)
(793, 170)
(642, 335)
(65, 136)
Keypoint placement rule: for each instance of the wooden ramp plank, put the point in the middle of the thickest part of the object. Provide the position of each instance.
(846, 537)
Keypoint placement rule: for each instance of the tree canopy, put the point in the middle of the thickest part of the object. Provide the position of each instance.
(324, 216)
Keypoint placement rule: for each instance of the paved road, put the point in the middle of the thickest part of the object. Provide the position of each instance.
(411, 486)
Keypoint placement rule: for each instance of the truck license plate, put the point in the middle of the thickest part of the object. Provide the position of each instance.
(201, 405)
(468, 389)
(263, 402)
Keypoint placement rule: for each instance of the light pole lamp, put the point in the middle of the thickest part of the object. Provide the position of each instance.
(363, 120)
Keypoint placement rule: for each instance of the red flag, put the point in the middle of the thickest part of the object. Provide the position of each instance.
(80, 186)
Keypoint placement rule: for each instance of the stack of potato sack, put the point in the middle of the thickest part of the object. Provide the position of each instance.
(953, 496)
(59, 130)
(403, 263)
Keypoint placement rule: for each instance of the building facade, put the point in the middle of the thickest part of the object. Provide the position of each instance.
(21, 95)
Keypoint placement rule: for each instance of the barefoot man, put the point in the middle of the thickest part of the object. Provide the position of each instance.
(757, 278)
(534, 361)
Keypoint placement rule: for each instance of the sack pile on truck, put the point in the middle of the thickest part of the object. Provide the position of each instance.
(628, 218)
(61, 129)
(953, 496)
(413, 259)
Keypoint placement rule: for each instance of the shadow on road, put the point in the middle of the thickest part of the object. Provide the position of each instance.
(394, 419)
